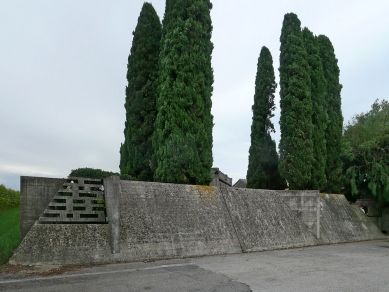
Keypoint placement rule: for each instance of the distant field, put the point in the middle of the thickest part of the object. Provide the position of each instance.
(9, 233)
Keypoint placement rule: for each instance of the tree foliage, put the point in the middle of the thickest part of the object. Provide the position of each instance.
(296, 146)
(366, 153)
(319, 110)
(91, 173)
(333, 134)
(8, 198)
(262, 171)
(182, 139)
(141, 92)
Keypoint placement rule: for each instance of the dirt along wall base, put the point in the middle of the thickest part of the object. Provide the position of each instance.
(159, 221)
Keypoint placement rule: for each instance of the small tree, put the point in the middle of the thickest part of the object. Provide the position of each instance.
(182, 139)
(333, 133)
(319, 113)
(296, 147)
(262, 171)
(141, 92)
(366, 152)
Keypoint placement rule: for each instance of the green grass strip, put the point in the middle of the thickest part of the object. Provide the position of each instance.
(9, 233)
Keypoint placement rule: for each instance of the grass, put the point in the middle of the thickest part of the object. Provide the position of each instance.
(9, 233)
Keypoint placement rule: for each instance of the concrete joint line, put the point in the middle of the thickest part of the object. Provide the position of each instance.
(241, 244)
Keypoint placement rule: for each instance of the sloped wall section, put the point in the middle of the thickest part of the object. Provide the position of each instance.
(159, 221)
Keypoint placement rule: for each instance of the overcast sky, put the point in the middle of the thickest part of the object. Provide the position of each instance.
(63, 67)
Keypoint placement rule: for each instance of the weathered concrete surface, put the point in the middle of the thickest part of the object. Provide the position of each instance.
(263, 221)
(66, 244)
(167, 220)
(113, 194)
(159, 221)
(35, 195)
(342, 222)
(304, 204)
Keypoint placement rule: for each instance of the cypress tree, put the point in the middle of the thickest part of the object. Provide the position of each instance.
(333, 132)
(141, 91)
(182, 139)
(296, 147)
(319, 116)
(262, 171)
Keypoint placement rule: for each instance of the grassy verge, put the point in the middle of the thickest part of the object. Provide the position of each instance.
(9, 233)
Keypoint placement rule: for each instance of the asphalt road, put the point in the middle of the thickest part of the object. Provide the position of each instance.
(362, 266)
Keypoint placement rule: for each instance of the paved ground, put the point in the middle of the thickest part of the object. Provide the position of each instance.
(362, 266)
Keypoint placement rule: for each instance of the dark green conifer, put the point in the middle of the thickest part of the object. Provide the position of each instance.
(183, 135)
(262, 172)
(136, 151)
(296, 147)
(319, 116)
(333, 132)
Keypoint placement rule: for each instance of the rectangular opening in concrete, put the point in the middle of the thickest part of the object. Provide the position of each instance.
(87, 195)
(97, 201)
(69, 215)
(57, 207)
(72, 181)
(94, 188)
(79, 208)
(78, 201)
(89, 215)
(67, 194)
(98, 208)
(81, 188)
(50, 215)
(61, 201)
(93, 182)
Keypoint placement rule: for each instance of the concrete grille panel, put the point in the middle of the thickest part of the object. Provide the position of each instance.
(79, 200)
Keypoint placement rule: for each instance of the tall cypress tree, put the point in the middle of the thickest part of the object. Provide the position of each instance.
(141, 91)
(319, 116)
(182, 139)
(296, 147)
(262, 172)
(333, 132)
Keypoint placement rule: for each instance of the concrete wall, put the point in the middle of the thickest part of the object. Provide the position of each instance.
(157, 221)
(65, 244)
(167, 220)
(305, 206)
(35, 195)
(263, 221)
(342, 222)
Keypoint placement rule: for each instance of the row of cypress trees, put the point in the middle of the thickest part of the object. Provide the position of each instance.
(311, 118)
(168, 128)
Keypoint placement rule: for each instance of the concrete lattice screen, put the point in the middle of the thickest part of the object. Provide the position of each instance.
(78, 201)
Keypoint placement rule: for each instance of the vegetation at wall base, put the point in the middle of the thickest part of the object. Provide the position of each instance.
(333, 134)
(296, 146)
(262, 171)
(182, 140)
(91, 173)
(9, 233)
(141, 92)
(366, 152)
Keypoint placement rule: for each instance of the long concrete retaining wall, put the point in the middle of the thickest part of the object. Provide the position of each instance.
(158, 221)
